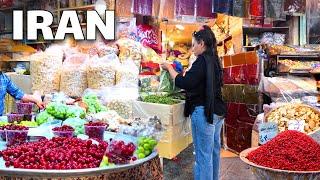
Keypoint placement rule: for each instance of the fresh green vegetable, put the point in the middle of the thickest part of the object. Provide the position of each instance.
(75, 111)
(57, 110)
(166, 84)
(160, 99)
(3, 123)
(43, 117)
(93, 103)
(77, 124)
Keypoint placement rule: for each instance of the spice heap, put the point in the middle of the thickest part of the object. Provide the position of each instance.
(290, 150)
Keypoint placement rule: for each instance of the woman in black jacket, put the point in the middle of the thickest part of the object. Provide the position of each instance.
(204, 103)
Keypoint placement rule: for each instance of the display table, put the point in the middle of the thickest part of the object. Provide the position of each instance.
(150, 168)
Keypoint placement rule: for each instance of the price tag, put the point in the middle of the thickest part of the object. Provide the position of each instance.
(296, 125)
(267, 131)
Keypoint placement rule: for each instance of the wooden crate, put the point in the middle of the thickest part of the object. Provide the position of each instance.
(169, 150)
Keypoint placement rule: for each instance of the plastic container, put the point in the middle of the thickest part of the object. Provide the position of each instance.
(67, 134)
(16, 137)
(24, 108)
(28, 117)
(15, 117)
(3, 135)
(95, 132)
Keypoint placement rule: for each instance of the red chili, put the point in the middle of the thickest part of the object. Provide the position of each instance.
(290, 150)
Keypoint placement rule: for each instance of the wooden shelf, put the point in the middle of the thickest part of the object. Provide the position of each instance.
(6, 32)
(56, 26)
(15, 60)
(80, 8)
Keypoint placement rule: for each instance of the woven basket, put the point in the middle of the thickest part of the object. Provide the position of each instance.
(264, 173)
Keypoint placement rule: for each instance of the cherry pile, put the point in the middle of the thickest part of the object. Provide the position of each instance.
(120, 153)
(95, 130)
(63, 128)
(57, 153)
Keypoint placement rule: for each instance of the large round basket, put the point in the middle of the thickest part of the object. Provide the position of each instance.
(265, 173)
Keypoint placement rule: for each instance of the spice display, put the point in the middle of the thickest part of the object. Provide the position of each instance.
(283, 114)
(290, 150)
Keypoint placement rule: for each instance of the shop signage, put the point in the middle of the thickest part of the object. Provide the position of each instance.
(41, 20)
(267, 131)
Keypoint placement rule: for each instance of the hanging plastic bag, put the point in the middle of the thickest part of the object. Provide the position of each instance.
(101, 71)
(45, 71)
(120, 99)
(166, 84)
(127, 73)
(74, 76)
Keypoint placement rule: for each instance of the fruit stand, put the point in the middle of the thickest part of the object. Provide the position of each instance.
(148, 167)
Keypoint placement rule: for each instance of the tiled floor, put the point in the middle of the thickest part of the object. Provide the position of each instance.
(181, 168)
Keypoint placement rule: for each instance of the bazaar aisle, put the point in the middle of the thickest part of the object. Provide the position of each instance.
(181, 168)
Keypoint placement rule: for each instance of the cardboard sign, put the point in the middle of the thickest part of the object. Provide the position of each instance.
(267, 131)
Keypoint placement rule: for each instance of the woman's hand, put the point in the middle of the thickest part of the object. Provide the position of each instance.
(166, 66)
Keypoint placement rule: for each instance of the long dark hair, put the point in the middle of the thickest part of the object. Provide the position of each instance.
(206, 35)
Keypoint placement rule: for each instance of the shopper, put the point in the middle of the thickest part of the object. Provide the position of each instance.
(204, 103)
(7, 86)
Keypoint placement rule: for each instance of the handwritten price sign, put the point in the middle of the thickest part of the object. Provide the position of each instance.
(267, 131)
(296, 125)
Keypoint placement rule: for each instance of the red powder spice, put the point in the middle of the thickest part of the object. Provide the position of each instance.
(290, 150)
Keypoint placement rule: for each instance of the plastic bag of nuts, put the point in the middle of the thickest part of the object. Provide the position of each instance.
(74, 76)
(101, 72)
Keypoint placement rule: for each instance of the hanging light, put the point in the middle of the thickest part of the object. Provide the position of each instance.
(100, 7)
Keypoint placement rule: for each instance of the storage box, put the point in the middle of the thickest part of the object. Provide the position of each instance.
(169, 114)
(169, 150)
(177, 131)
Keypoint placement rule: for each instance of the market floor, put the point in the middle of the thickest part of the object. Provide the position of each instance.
(181, 168)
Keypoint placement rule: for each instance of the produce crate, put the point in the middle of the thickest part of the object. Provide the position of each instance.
(175, 132)
(169, 150)
(169, 115)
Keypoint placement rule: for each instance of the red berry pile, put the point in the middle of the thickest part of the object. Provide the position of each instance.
(95, 124)
(57, 153)
(63, 128)
(120, 153)
(290, 150)
(95, 130)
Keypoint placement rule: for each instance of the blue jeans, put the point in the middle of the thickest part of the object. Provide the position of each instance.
(207, 145)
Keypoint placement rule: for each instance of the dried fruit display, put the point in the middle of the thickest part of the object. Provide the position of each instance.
(283, 114)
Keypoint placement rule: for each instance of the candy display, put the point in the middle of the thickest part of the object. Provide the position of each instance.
(283, 114)
(290, 150)
(95, 130)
